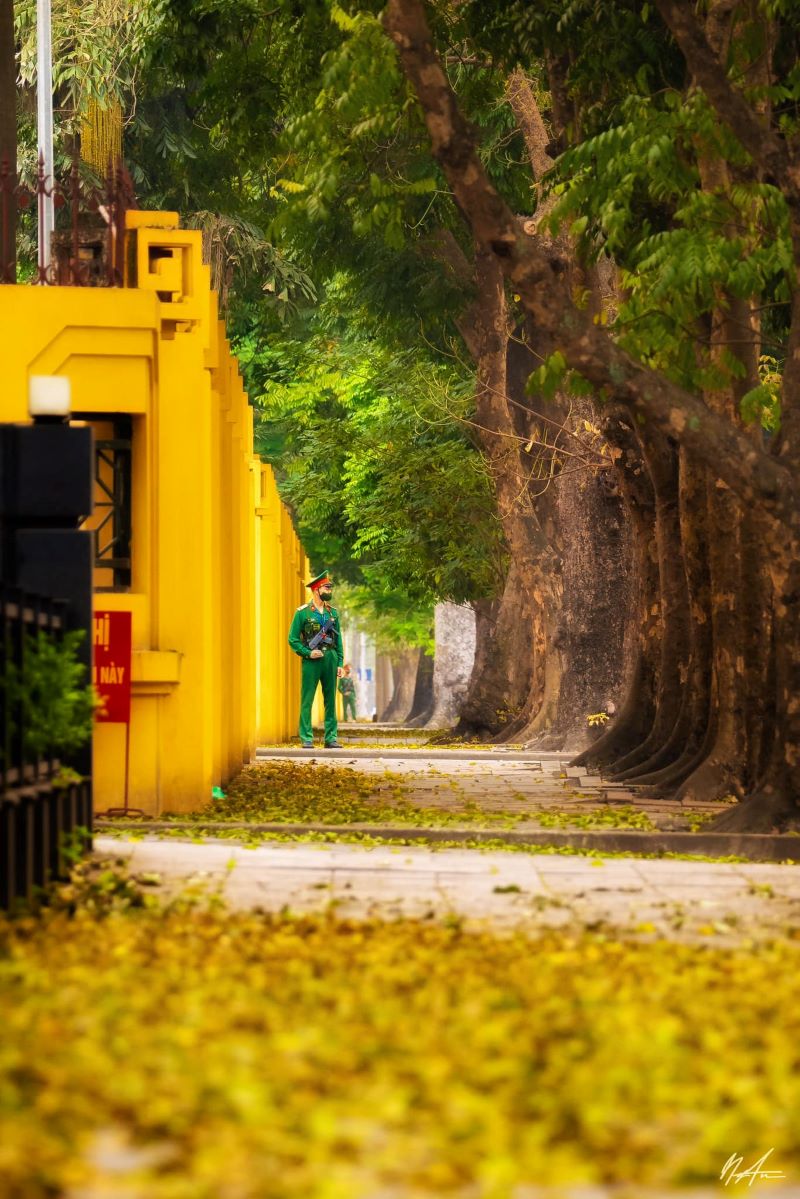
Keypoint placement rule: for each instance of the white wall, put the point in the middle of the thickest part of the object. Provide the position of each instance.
(454, 630)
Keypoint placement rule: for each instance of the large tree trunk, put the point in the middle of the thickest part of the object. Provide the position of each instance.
(632, 723)
(589, 612)
(597, 579)
(724, 753)
(8, 135)
(571, 549)
(759, 654)
(585, 598)
(422, 705)
(384, 683)
(509, 656)
(554, 521)
(679, 756)
(674, 630)
(404, 674)
(772, 805)
(721, 767)
(500, 678)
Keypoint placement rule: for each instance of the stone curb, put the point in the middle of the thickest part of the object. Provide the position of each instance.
(368, 726)
(758, 847)
(438, 755)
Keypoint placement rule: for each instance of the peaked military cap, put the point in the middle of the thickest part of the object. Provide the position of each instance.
(319, 580)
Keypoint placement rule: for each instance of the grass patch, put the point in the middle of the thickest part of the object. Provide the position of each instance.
(230, 1054)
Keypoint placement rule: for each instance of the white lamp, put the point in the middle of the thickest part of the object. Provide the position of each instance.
(49, 396)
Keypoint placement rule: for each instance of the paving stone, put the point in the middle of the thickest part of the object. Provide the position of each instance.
(523, 784)
(553, 891)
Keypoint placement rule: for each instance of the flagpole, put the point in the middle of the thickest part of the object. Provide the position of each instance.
(44, 113)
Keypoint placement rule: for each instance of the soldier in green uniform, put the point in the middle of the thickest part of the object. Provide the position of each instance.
(322, 664)
(347, 689)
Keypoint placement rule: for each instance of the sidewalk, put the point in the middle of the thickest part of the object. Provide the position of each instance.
(494, 777)
(720, 903)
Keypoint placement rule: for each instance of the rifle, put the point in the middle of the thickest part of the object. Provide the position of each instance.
(320, 637)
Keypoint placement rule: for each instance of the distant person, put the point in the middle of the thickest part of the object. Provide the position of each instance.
(347, 687)
(315, 636)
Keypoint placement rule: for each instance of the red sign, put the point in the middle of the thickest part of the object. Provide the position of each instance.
(111, 674)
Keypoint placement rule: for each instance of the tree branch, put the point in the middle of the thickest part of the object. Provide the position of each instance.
(763, 145)
(445, 249)
(529, 118)
(539, 279)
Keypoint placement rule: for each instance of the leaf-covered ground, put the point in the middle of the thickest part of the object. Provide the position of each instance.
(202, 831)
(298, 792)
(210, 1055)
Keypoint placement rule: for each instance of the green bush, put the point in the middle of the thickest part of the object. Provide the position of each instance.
(56, 703)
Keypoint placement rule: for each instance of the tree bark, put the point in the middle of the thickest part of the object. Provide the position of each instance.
(629, 728)
(597, 583)
(8, 135)
(722, 770)
(384, 683)
(500, 678)
(404, 673)
(679, 755)
(422, 704)
(509, 656)
(674, 631)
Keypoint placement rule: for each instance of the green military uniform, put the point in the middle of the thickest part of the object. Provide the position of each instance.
(307, 621)
(347, 686)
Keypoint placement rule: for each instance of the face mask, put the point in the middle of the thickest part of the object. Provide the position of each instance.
(325, 593)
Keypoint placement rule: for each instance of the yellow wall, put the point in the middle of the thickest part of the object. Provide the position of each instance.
(217, 570)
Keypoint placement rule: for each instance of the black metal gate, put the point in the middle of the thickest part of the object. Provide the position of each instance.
(46, 474)
(37, 814)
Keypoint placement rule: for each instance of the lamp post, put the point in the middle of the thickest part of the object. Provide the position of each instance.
(44, 114)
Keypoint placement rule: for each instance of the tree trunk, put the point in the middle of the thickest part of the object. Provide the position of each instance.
(498, 693)
(594, 605)
(384, 684)
(8, 134)
(541, 709)
(759, 649)
(404, 674)
(631, 725)
(722, 769)
(500, 677)
(773, 804)
(721, 766)
(422, 704)
(674, 630)
(782, 780)
(676, 758)
(552, 521)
